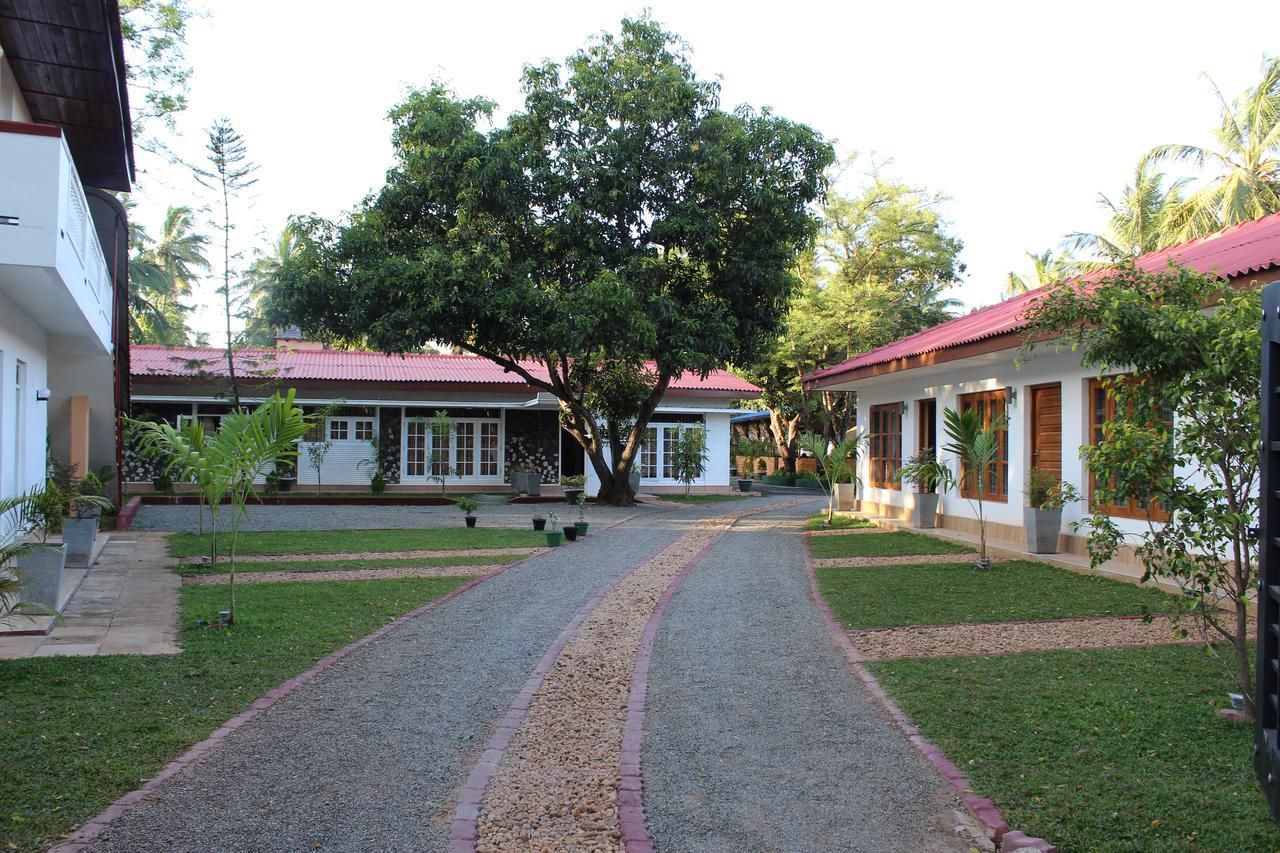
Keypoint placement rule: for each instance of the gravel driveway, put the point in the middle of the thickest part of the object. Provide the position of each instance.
(756, 735)
(370, 755)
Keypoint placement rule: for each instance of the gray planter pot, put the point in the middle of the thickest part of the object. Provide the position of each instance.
(1042, 526)
(526, 483)
(40, 575)
(633, 480)
(924, 512)
(844, 496)
(79, 534)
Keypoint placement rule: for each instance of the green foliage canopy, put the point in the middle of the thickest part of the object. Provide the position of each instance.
(622, 223)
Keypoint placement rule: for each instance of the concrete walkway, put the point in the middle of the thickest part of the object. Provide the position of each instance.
(758, 736)
(126, 604)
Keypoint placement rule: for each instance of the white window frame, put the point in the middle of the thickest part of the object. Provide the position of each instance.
(477, 426)
(660, 451)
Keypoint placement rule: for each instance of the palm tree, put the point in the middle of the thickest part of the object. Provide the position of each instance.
(1244, 179)
(1047, 267)
(180, 251)
(261, 279)
(149, 323)
(1138, 222)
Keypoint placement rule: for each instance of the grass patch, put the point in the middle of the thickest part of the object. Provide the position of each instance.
(899, 543)
(356, 541)
(701, 499)
(80, 732)
(369, 563)
(941, 594)
(1099, 750)
(838, 522)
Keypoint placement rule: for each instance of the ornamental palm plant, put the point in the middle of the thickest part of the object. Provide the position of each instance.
(978, 449)
(1244, 179)
(835, 463)
(224, 465)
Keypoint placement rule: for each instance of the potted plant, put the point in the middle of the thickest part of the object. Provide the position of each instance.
(539, 521)
(834, 463)
(526, 480)
(553, 535)
(40, 514)
(581, 524)
(468, 505)
(376, 464)
(84, 510)
(573, 486)
(977, 445)
(1042, 519)
(162, 482)
(926, 473)
(286, 475)
(752, 449)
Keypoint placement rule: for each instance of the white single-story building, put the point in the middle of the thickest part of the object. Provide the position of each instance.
(1054, 405)
(498, 421)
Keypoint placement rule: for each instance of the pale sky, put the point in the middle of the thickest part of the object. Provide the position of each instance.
(1020, 113)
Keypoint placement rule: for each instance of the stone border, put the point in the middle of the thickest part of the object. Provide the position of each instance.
(124, 518)
(87, 833)
(893, 560)
(462, 832)
(844, 531)
(529, 551)
(983, 810)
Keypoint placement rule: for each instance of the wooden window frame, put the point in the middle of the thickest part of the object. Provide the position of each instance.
(927, 427)
(885, 445)
(1000, 397)
(1131, 509)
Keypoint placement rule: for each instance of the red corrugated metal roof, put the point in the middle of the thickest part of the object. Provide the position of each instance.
(1239, 250)
(353, 366)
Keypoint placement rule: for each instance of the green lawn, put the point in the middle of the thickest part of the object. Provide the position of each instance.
(943, 594)
(368, 563)
(1099, 750)
(701, 499)
(882, 545)
(838, 522)
(356, 541)
(79, 732)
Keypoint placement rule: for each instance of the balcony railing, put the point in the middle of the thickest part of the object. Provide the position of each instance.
(51, 263)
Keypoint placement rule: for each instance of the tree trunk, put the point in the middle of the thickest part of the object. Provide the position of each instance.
(785, 431)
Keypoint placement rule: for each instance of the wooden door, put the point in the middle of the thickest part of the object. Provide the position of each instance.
(1046, 428)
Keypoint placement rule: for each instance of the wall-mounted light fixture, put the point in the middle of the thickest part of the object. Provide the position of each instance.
(43, 395)
(1013, 396)
(904, 409)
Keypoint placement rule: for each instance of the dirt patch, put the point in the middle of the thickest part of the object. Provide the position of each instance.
(997, 638)
(372, 555)
(897, 560)
(346, 574)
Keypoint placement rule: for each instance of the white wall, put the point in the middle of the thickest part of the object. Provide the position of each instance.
(716, 472)
(21, 339)
(947, 382)
(341, 466)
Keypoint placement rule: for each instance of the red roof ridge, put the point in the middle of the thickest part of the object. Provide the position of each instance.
(1228, 252)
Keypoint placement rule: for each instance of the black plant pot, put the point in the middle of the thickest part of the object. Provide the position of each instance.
(570, 532)
(539, 524)
(285, 484)
(571, 495)
(471, 521)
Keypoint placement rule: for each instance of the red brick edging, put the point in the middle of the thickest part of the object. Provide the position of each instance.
(128, 513)
(462, 832)
(983, 810)
(89, 832)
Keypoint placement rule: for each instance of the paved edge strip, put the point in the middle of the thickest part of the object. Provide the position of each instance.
(631, 814)
(124, 519)
(462, 831)
(982, 809)
(91, 829)
(995, 622)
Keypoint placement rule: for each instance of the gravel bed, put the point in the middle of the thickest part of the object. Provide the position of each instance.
(371, 517)
(371, 754)
(895, 560)
(345, 574)
(369, 555)
(996, 638)
(757, 737)
(556, 786)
